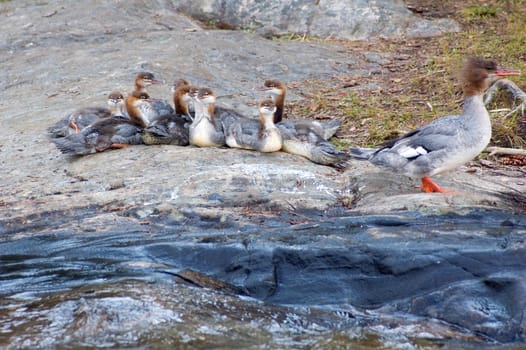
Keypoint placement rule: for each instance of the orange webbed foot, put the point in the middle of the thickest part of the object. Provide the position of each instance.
(429, 186)
(118, 145)
(74, 126)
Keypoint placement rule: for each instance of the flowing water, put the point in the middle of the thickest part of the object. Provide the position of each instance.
(328, 285)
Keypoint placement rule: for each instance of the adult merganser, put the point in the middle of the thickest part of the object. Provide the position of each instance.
(171, 129)
(76, 121)
(447, 142)
(158, 107)
(205, 130)
(262, 136)
(112, 132)
(277, 91)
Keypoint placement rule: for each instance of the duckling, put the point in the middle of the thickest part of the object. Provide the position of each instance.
(107, 133)
(262, 136)
(76, 121)
(302, 140)
(157, 107)
(171, 129)
(306, 138)
(205, 130)
(183, 101)
(138, 105)
(144, 79)
(277, 91)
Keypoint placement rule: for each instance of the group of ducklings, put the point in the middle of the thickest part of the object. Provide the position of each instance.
(439, 146)
(194, 119)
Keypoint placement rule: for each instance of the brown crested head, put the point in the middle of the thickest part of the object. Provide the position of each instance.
(116, 102)
(133, 102)
(274, 86)
(194, 90)
(183, 90)
(207, 98)
(272, 83)
(267, 106)
(180, 82)
(205, 93)
(115, 96)
(479, 73)
(181, 96)
(277, 91)
(143, 79)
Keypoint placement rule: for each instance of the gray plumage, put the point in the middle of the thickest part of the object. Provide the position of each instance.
(205, 130)
(171, 129)
(302, 140)
(100, 136)
(82, 118)
(447, 142)
(259, 135)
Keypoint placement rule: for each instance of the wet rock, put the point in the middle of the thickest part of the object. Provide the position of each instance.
(331, 18)
(137, 313)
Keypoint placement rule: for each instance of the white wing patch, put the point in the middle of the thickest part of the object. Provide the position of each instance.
(410, 152)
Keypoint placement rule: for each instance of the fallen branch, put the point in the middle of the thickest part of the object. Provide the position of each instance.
(517, 93)
(505, 151)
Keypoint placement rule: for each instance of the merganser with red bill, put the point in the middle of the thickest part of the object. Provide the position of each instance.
(262, 135)
(447, 142)
(205, 130)
(78, 120)
(277, 91)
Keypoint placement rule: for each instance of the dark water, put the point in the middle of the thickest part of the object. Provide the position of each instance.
(367, 282)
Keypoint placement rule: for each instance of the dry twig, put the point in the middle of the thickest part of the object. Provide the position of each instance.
(517, 93)
(505, 151)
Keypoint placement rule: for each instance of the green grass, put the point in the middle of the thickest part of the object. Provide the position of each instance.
(477, 12)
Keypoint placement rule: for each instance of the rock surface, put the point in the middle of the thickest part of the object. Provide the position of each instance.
(265, 223)
(355, 20)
